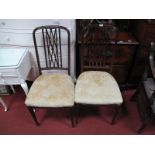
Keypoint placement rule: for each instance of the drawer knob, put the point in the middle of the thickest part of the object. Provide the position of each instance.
(3, 23)
(8, 39)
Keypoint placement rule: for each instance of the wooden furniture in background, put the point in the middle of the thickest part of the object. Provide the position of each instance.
(125, 50)
(145, 94)
(144, 32)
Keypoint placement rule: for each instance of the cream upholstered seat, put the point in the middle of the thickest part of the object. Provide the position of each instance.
(97, 87)
(55, 88)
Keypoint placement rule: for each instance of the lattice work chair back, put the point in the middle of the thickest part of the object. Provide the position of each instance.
(95, 85)
(54, 86)
(99, 47)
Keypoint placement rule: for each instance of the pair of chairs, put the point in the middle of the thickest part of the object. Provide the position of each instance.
(54, 89)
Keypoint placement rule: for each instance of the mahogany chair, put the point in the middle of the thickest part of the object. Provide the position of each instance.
(145, 94)
(54, 87)
(96, 85)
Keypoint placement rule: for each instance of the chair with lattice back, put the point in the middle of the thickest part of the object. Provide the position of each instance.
(96, 85)
(54, 86)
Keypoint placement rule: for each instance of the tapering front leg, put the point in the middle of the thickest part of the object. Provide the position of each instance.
(76, 113)
(124, 108)
(33, 115)
(144, 124)
(141, 128)
(25, 88)
(72, 116)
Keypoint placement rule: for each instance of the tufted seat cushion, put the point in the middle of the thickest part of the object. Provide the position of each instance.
(54, 90)
(97, 87)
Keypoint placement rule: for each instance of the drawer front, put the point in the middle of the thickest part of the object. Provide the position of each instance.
(32, 23)
(25, 38)
(16, 38)
(10, 80)
(8, 73)
(9, 76)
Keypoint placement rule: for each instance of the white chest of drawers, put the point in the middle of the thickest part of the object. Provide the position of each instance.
(14, 67)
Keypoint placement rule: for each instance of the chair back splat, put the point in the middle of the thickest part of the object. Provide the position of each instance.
(56, 45)
(99, 46)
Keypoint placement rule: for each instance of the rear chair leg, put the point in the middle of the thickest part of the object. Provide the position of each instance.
(76, 113)
(72, 116)
(141, 128)
(117, 109)
(124, 108)
(144, 124)
(31, 110)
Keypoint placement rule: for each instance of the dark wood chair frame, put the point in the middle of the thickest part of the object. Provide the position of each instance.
(102, 48)
(53, 55)
(143, 101)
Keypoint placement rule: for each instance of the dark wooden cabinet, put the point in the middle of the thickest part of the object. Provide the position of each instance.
(144, 31)
(125, 50)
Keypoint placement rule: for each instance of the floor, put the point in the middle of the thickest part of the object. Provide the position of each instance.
(92, 120)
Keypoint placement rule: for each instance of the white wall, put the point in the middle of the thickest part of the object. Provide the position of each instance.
(18, 33)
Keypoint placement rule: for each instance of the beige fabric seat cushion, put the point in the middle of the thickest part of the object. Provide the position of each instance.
(97, 87)
(54, 90)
